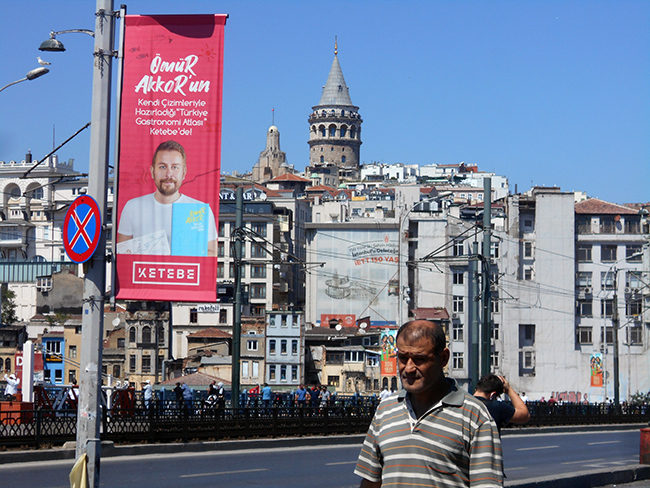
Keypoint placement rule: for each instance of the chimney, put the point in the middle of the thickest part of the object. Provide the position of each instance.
(28, 157)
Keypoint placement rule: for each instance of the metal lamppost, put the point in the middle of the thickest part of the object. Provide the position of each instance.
(89, 414)
(31, 75)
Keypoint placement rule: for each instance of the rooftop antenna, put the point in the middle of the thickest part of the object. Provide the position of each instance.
(273, 116)
(53, 137)
(336, 46)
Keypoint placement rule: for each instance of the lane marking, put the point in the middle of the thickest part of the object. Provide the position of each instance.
(536, 448)
(603, 442)
(585, 461)
(342, 462)
(222, 472)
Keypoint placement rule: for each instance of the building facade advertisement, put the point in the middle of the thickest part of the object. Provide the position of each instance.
(388, 353)
(169, 163)
(596, 364)
(360, 266)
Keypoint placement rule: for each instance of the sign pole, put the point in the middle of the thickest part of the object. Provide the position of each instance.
(89, 414)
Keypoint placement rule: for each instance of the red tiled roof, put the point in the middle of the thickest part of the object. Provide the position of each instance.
(594, 206)
(195, 379)
(431, 314)
(290, 177)
(211, 332)
(318, 188)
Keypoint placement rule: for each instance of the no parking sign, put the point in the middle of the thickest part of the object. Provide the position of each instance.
(81, 229)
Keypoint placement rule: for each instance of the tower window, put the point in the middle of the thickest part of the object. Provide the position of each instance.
(343, 131)
(353, 132)
(322, 159)
(322, 131)
(343, 159)
(332, 131)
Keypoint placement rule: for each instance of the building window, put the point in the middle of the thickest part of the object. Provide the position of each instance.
(583, 224)
(583, 279)
(528, 249)
(607, 225)
(494, 303)
(584, 253)
(221, 249)
(457, 361)
(116, 371)
(632, 225)
(584, 335)
(222, 229)
(132, 366)
(294, 347)
(635, 335)
(258, 290)
(251, 345)
(259, 228)
(244, 369)
(607, 280)
(161, 335)
(283, 346)
(272, 346)
(283, 373)
(457, 332)
(607, 335)
(53, 347)
(194, 317)
(283, 321)
(294, 373)
(257, 310)
(606, 308)
(458, 304)
(220, 270)
(258, 271)
(458, 247)
(633, 280)
(272, 372)
(223, 316)
(528, 273)
(354, 356)
(146, 364)
(72, 352)
(72, 377)
(372, 360)
(257, 251)
(494, 360)
(256, 369)
(585, 308)
(58, 376)
(633, 254)
(458, 277)
(333, 381)
(608, 252)
(495, 332)
(633, 306)
(146, 334)
(7, 364)
(494, 246)
(526, 349)
(132, 337)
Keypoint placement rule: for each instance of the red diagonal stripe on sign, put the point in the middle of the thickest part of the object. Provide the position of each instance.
(81, 230)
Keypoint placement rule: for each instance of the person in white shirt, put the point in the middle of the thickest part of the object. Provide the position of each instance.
(384, 394)
(146, 217)
(12, 385)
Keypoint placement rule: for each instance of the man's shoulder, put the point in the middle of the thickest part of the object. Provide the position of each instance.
(185, 199)
(148, 198)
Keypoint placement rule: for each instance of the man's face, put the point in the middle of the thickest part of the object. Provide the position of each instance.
(419, 367)
(168, 172)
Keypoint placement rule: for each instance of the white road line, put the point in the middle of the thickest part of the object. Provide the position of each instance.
(603, 442)
(344, 462)
(536, 448)
(222, 472)
(584, 461)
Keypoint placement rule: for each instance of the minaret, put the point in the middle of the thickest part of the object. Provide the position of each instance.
(272, 161)
(335, 126)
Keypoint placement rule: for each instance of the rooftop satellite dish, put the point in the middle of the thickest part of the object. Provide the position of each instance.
(362, 331)
(338, 327)
(116, 321)
(363, 325)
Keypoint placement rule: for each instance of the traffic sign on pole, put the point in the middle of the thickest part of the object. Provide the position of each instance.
(81, 229)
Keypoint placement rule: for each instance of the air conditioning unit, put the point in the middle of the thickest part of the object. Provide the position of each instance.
(627, 290)
(454, 315)
(588, 290)
(494, 287)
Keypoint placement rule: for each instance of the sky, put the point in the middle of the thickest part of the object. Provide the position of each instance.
(546, 93)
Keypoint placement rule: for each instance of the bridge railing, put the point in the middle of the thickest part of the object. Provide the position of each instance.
(168, 421)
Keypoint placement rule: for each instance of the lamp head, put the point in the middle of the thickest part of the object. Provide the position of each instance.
(36, 73)
(52, 45)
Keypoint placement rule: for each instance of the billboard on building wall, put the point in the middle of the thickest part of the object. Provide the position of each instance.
(388, 353)
(359, 276)
(596, 366)
(169, 158)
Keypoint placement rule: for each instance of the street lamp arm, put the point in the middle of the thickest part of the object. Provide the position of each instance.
(32, 75)
(53, 34)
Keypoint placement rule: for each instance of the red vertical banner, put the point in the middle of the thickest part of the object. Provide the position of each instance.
(169, 158)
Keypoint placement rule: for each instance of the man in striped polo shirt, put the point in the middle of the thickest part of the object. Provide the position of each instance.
(432, 433)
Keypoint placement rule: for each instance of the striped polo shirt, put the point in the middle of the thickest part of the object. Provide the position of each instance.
(454, 444)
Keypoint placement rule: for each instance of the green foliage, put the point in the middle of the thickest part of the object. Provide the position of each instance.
(57, 318)
(639, 398)
(8, 306)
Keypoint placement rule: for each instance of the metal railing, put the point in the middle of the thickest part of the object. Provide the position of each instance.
(168, 421)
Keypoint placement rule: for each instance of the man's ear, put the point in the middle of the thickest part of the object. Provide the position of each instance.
(151, 171)
(444, 357)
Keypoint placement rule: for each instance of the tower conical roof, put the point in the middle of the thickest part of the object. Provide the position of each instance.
(335, 91)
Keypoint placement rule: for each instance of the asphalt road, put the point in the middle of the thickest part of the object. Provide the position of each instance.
(527, 456)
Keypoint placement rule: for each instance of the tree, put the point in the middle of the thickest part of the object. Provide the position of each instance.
(8, 306)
